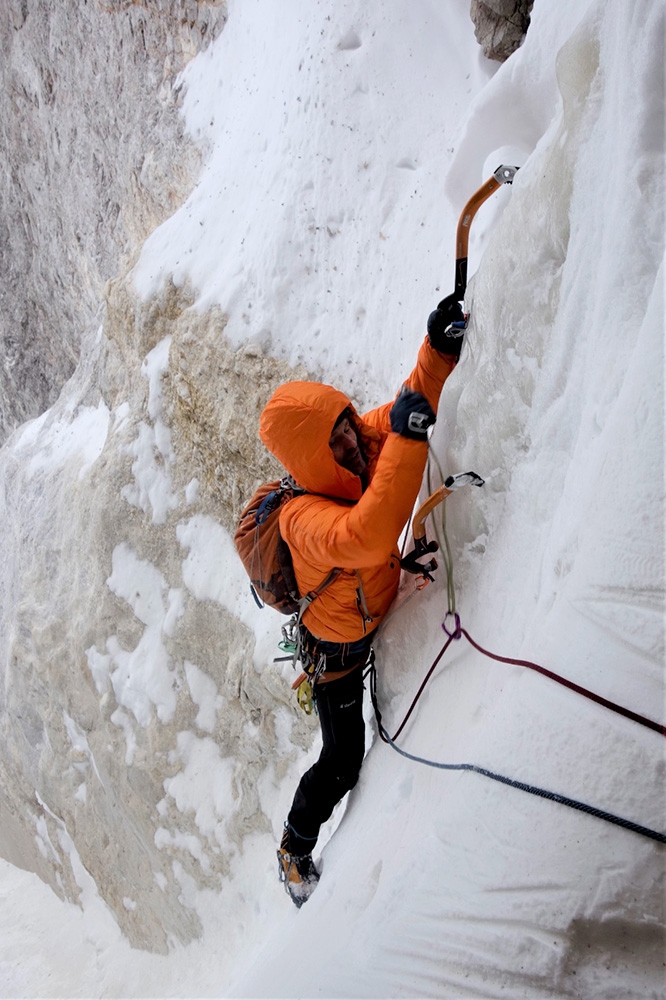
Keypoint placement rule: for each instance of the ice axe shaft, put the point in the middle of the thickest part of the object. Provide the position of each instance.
(503, 175)
(451, 484)
(418, 524)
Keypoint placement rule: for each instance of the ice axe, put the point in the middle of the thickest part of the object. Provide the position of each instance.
(422, 546)
(451, 304)
(503, 175)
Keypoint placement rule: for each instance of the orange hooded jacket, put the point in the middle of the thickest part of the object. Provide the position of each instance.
(337, 524)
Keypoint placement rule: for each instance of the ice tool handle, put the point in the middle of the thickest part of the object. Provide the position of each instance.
(503, 175)
(410, 563)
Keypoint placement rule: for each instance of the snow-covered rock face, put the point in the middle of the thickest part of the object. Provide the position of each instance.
(133, 722)
(150, 745)
(93, 141)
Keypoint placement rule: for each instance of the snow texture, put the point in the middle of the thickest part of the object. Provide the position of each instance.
(340, 149)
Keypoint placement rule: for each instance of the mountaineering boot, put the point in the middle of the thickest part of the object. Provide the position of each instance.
(297, 872)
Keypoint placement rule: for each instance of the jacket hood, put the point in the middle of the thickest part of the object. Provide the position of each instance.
(296, 426)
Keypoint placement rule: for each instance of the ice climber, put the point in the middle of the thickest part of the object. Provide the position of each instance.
(362, 475)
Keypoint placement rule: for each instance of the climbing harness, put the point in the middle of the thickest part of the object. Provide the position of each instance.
(317, 657)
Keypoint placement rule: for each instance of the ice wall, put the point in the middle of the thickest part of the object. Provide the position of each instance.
(443, 884)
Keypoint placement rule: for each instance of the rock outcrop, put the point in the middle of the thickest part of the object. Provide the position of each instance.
(94, 157)
(500, 25)
(124, 677)
(118, 683)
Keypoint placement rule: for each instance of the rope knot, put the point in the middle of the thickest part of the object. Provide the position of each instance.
(457, 631)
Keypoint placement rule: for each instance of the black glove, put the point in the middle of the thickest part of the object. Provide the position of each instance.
(443, 336)
(411, 415)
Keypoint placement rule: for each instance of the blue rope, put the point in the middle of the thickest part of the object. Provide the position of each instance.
(564, 800)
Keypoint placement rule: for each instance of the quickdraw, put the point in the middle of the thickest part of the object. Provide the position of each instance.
(292, 644)
(304, 695)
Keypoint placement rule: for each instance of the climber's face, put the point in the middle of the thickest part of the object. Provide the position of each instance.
(344, 444)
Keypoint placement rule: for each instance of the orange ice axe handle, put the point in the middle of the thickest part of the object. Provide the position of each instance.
(422, 546)
(503, 175)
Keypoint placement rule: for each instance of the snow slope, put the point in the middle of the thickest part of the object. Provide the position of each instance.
(323, 223)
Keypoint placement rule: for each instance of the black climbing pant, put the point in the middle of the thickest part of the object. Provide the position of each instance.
(340, 707)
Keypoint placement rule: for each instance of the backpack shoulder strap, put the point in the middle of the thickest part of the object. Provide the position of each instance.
(306, 601)
(288, 483)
